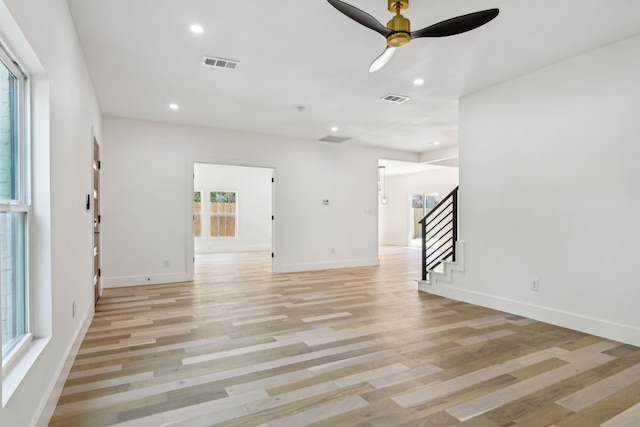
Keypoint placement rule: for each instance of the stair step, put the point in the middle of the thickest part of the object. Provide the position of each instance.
(444, 271)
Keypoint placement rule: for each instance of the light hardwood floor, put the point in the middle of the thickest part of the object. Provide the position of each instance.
(353, 347)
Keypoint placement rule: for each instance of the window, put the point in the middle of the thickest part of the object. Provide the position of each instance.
(14, 206)
(223, 212)
(416, 206)
(420, 204)
(197, 211)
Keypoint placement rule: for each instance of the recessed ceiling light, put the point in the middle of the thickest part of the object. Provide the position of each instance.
(334, 129)
(418, 82)
(173, 106)
(195, 28)
(436, 142)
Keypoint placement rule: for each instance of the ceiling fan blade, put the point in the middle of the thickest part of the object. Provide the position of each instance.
(382, 60)
(360, 17)
(458, 25)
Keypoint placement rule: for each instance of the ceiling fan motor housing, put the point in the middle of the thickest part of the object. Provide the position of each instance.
(401, 31)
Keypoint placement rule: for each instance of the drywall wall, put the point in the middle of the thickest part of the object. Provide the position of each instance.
(550, 190)
(148, 198)
(395, 216)
(254, 199)
(65, 118)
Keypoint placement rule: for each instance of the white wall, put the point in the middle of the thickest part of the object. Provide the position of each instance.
(66, 111)
(395, 216)
(550, 189)
(147, 198)
(253, 190)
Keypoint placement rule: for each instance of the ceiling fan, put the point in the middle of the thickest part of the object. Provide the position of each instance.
(398, 30)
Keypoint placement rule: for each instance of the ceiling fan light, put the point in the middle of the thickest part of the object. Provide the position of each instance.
(398, 39)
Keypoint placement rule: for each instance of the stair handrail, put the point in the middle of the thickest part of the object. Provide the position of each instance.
(450, 200)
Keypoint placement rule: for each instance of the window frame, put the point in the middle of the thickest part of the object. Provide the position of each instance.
(21, 203)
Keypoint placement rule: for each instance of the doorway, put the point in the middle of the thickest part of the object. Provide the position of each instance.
(233, 209)
(420, 204)
(416, 213)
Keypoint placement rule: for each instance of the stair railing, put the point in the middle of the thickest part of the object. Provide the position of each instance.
(440, 233)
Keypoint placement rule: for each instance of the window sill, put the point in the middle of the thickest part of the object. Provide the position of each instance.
(19, 365)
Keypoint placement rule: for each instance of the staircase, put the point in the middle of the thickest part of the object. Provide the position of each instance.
(441, 252)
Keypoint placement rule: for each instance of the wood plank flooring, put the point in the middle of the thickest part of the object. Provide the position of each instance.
(241, 346)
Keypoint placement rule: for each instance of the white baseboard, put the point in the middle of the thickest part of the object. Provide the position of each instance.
(63, 372)
(577, 322)
(152, 279)
(313, 266)
(225, 249)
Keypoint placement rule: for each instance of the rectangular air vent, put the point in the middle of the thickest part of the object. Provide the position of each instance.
(229, 64)
(334, 139)
(398, 99)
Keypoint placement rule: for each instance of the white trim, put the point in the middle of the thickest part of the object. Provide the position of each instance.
(14, 207)
(312, 266)
(13, 369)
(152, 279)
(39, 238)
(20, 347)
(248, 248)
(18, 368)
(275, 268)
(44, 414)
(577, 322)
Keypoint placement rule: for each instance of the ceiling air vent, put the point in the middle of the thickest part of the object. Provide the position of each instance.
(229, 64)
(398, 99)
(334, 139)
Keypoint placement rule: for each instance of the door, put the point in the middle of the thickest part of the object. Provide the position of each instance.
(96, 221)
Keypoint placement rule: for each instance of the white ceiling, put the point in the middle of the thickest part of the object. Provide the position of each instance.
(142, 56)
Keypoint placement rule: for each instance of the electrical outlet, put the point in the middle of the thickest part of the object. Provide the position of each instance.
(165, 263)
(535, 285)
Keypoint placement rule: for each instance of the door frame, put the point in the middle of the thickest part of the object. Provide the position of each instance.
(95, 203)
(189, 210)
